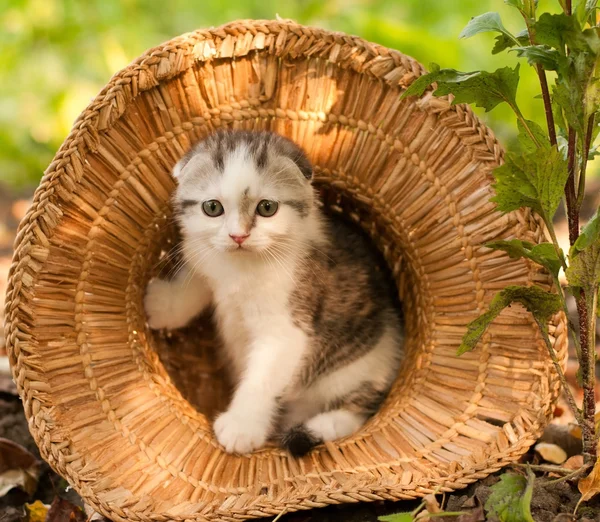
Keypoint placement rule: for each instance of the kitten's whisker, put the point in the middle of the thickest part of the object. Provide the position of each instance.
(277, 257)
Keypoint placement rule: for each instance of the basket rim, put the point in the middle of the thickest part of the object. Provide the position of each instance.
(101, 114)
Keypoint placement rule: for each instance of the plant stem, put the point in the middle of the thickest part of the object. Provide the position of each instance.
(563, 380)
(571, 326)
(543, 84)
(572, 213)
(568, 8)
(588, 377)
(584, 160)
(547, 104)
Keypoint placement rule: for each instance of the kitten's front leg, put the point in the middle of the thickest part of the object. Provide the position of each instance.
(273, 361)
(173, 304)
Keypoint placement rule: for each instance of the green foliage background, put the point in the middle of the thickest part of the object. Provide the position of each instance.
(55, 55)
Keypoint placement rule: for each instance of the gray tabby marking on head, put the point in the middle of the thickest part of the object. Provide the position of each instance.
(268, 152)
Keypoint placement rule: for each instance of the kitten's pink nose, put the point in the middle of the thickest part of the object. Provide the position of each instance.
(239, 239)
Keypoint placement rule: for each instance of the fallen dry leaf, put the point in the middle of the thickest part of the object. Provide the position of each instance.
(18, 468)
(590, 485)
(37, 511)
(574, 462)
(475, 515)
(551, 452)
(62, 510)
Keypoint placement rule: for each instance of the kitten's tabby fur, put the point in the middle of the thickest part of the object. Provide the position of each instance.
(308, 319)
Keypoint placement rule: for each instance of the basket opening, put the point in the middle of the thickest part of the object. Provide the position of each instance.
(191, 355)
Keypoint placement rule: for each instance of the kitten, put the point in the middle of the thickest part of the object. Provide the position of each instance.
(307, 317)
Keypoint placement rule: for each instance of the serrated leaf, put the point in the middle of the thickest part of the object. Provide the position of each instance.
(584, 257)
(510, 500)
(589, 234)
(504, 42)
(541, 304)
(584, 269)
(568, 98)
(543, 254)
(535, 180)
(418, 87)
(556, 30)
(485, 23)
(550, 59)
(526, 142)
(485, 89)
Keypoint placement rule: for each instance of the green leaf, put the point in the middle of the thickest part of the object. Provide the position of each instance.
(515, 3)
(589, 234)
(535, 180)
(483, 88)
(485, 23)
(556, 30)
(568, 98)
(397, 517)
(584, 9)
(526, 7)
(541, 304)
(584, 257)
(418, 87)
(550, 59)
(543, 254)
(526, 143)
(504, 42)
(510, 500)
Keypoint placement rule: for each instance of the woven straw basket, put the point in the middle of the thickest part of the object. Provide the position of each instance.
(123, 413)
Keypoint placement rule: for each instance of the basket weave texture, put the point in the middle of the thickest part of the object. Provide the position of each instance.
(124, 413)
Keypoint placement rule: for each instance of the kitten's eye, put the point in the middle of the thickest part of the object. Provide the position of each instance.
(212, 208)
(267, 208)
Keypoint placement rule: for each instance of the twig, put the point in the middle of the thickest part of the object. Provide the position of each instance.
(546, 468)
(570, 476)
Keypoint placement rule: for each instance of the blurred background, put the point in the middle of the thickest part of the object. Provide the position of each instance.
(55, 55)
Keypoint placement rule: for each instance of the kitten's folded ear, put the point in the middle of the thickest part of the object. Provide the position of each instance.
(297, 155)
(304, 165)
(178, 168)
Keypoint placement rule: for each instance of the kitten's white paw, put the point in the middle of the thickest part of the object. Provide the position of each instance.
(240, 432)
(335, 424)
(161, 307)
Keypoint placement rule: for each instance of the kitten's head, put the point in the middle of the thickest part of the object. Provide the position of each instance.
(242, 192)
